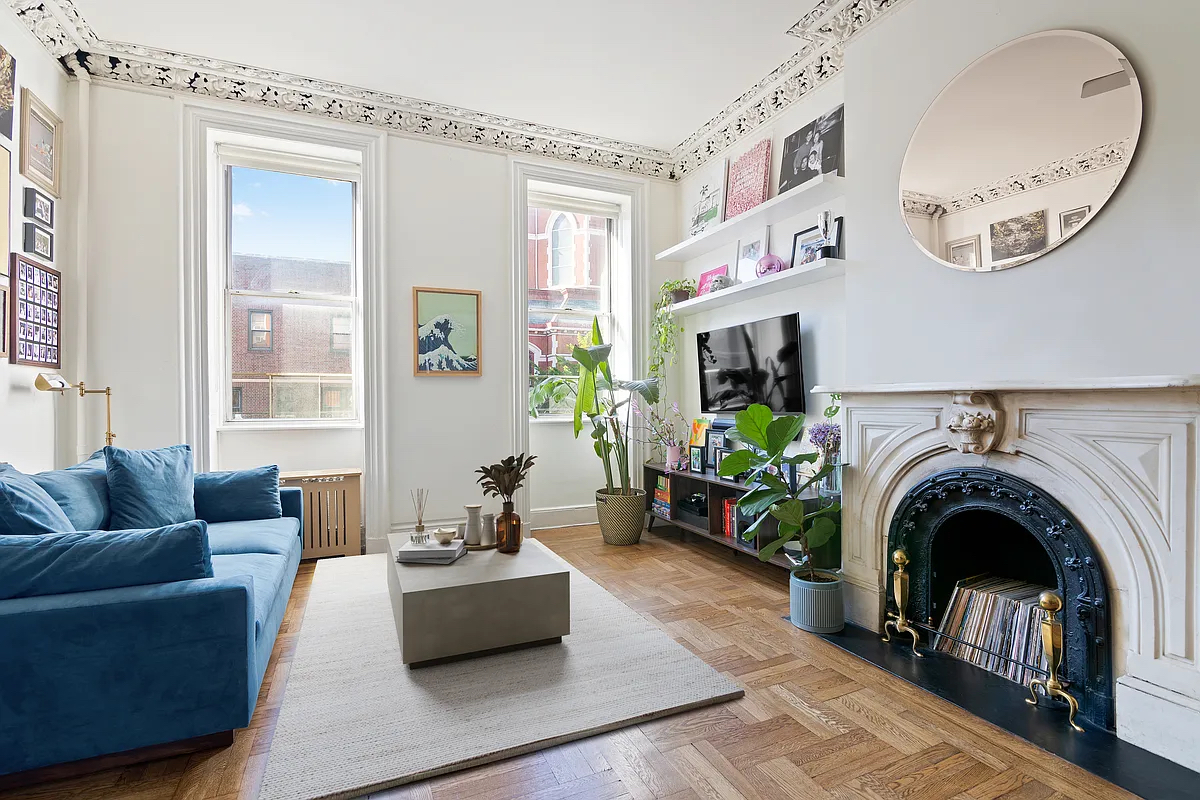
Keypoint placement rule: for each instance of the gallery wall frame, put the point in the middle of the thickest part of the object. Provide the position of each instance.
(41, 143)
(34, 321)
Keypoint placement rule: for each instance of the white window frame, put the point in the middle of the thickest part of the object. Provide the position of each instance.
(275, 157)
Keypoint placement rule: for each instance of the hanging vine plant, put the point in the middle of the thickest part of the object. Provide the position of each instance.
(664, 338)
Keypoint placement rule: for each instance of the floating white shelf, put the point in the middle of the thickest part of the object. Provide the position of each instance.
(821, 270)
(810, 194)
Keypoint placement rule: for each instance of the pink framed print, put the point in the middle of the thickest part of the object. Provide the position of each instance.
(704, 285)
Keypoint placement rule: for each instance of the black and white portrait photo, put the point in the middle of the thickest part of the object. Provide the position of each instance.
(813, 150)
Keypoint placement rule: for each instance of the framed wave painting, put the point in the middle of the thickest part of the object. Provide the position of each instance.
(447, 335)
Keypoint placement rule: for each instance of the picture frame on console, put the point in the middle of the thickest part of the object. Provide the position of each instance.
(696, 459)
(808, 243)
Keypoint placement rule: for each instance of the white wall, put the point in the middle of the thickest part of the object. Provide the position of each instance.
(1118, 299)
(27, 435)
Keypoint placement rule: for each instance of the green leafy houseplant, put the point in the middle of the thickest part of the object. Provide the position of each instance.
(664, 332)
(766, 439)
(606, 405)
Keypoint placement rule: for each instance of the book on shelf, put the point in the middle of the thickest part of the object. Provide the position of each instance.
(431, 552)
(663, 483)
(1001, 618)
(661, 508)
(729, 507)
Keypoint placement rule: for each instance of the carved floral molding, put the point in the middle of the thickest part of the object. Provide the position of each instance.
(1113, 154)
(825, 29)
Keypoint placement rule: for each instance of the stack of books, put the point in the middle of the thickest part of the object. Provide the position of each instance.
(999, 615)
(730, 516)
(661, 505)
(431, 552)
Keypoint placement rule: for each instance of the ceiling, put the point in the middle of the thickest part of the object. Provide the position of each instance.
(636, 71)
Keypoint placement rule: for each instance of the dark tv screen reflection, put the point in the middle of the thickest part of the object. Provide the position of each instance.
(758, 362)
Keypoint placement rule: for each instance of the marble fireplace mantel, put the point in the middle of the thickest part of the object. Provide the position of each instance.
(1121, 454)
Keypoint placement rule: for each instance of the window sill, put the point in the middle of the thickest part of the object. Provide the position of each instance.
(557, 419)
(284, 425)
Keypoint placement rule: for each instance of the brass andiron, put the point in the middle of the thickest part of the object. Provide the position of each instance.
(900, 589)
(1052, 646)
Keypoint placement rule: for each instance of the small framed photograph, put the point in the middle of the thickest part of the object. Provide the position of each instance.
(716, 439)
(39, 207)
(806, 246)
(749, 251)
(696, 462)
(965, 252)
(719, 456)
(38, 241)
(1070, 220)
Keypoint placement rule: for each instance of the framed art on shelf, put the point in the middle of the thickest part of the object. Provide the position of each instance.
(716, 441)
(813, 150)
(41, 143)
(718, 456)
(807, 244)
(447, 330)
(696, 462)
(709, 209)
(749, 252)
(749, 177)
(35, 321)
(38, 206)
(1070, 220)
(704, 285)
(38, 241)
(965, 252)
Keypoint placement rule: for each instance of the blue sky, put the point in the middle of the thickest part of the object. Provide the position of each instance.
(295, 216)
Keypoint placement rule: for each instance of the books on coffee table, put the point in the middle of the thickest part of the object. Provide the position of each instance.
(431, 552)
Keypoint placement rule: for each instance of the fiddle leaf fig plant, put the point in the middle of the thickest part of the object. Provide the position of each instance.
(766, 439)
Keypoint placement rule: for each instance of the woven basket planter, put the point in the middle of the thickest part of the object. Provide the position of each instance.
(817, 607)
(621, 516)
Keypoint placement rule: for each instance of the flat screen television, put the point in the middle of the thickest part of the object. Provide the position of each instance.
(758, 362)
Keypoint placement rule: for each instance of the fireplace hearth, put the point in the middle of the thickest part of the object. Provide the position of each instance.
(964, 522)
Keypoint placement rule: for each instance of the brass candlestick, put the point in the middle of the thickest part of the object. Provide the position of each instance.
(1052, 646)
(900, 589)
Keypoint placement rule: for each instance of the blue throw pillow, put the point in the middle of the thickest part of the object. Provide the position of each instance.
(25, 508)
(235, 496)
(81, 492)
(81, 562)
(149, 488)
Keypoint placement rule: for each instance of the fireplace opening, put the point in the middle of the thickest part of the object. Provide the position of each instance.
(981, 542)
(1002, 540)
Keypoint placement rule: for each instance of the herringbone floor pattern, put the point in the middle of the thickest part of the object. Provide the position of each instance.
(816, 723)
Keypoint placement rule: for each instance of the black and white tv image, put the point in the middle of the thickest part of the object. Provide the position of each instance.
(759, 362)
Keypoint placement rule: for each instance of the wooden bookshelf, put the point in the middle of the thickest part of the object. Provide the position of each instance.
(715, 489)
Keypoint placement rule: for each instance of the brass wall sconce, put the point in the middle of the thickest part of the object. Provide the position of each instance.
(53, 382)
(1052, 646)
(898, 622)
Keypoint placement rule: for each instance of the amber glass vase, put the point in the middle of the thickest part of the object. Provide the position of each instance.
(508, 530)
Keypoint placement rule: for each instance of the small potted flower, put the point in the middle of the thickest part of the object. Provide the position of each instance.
(663, 432)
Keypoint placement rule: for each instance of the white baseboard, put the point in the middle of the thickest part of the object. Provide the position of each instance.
(562, 516)
(1159, 720)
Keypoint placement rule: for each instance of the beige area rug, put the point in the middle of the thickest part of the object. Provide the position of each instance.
(355, 720)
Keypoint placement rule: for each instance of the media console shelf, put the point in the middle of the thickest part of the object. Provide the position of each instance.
(715, 489)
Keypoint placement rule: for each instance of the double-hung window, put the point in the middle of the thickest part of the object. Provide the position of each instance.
(570, 253)
(290, 286)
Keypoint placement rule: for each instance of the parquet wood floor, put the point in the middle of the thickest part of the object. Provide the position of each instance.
(815, 724)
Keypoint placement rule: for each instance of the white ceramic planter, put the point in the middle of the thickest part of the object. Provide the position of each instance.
(817, 607)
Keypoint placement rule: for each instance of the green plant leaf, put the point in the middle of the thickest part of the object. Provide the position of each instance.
(787, 532)
(749, 534)
(791, 512)
(822, 530)
(783, 431)
(738, 462)
(802, 458)
(647, 388)
(759, 499)
(585, 398)
(590, 358)
(752, 423)
(773, 481)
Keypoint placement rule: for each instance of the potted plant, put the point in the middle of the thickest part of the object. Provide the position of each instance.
(620, 508)
(664, 332)
(816, 595)
(502, 480)
(664, 433)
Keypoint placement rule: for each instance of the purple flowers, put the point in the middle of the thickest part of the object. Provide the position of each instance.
(826, 437)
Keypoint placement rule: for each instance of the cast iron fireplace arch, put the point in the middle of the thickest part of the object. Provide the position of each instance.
(1087, 662)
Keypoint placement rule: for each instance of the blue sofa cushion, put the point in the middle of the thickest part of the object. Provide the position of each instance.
(257, 536)
(150, 488)
(26, 509)
(241, 495)
(268, 573)
(81, 492)
(60, 563)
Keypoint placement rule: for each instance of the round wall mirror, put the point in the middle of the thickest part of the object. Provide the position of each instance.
(1021, 150)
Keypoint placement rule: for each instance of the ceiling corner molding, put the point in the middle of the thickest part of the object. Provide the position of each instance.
(921, 204)
(57, 25)
(825, 31)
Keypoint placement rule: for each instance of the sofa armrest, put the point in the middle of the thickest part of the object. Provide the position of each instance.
(92, 673)
(291, 498)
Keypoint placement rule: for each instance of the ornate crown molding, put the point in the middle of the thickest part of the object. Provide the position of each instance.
(1113, 154)
(825, 30)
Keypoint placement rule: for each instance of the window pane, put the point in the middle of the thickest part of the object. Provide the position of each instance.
(304, 371)
(291, 233)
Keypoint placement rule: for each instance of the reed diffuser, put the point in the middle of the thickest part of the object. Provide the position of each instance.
(419, 498)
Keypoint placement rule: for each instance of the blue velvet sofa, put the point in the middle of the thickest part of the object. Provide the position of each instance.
(93, 673)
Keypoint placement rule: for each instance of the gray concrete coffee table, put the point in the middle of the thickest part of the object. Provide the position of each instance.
(483, 603)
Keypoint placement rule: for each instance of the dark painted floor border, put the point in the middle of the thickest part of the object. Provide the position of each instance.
(1002, 703)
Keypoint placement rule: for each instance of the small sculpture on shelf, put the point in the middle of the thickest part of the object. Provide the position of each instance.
(502, 480)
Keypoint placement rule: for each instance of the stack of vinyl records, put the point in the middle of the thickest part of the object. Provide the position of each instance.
(999, 615)
(661, 505)
(431, 552)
